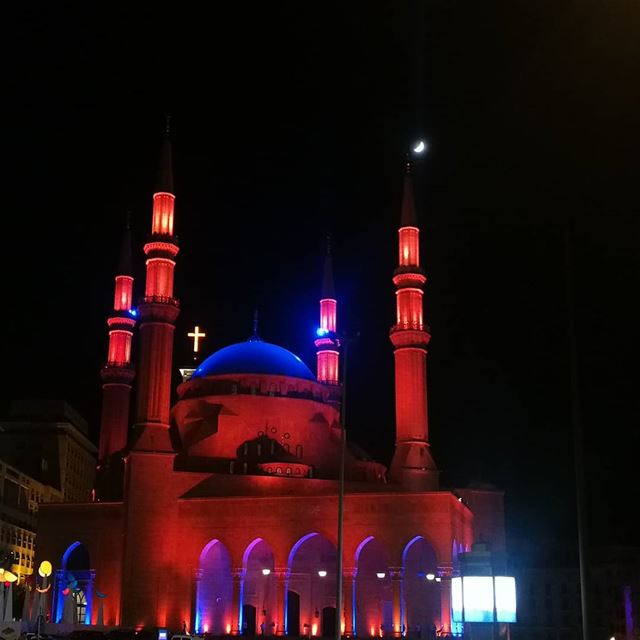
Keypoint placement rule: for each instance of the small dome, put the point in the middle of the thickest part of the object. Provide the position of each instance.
(254, 356)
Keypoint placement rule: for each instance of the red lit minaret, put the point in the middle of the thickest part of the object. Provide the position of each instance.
(157, 312)
(117, 374)
(326, 342)
(412, 464)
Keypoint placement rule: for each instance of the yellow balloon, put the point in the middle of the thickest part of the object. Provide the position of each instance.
(45, 569)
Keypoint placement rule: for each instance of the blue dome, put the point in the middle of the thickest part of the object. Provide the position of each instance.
(254, 356)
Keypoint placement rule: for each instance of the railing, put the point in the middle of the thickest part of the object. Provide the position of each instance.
(117, 365)
(161, 300)
(413, 326)
(162, 237)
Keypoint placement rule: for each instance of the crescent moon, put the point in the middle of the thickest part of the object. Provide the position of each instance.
(39, 590)
(420, 147)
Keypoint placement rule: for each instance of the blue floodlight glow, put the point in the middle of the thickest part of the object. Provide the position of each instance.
(456, 599)
(321, 332)
(505, 590)
(477, 593)
(473, 599)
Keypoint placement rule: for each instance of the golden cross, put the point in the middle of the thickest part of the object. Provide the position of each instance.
(196, 335)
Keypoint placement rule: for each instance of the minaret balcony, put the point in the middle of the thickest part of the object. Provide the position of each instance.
(117, 373)
(162, 246)
(407, 334)
(409, 277)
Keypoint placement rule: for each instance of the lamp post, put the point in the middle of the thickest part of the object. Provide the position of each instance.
(344, 342)
(44, 571)
(576, 420)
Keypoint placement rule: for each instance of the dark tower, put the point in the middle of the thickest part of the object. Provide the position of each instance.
(412, 464)
(117, 374)
(157, 311)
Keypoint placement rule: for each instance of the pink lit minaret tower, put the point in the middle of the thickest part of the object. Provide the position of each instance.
(412, 464)
(326, 342)
(157, 311)
(117, 374)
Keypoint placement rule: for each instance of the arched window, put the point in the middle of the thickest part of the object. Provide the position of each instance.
(299, 451)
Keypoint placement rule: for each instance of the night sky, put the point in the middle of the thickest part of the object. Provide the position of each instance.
(290, 122)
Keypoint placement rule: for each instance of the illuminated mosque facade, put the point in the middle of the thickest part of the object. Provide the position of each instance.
(219, 514)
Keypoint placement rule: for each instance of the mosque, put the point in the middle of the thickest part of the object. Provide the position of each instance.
(219, 514)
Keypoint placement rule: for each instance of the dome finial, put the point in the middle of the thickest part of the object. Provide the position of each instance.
(255, 337)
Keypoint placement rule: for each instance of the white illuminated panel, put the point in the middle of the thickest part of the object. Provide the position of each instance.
(478, 598)
(456, 599)
(505, 599)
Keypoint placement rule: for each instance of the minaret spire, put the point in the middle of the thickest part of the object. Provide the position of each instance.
(408, 216)
(326, 341)
(117, 374)
(412, 464)
(125, 263)
(165, 169)
(158, 311)
(328, 289)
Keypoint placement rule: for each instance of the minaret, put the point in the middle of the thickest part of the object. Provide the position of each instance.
(117, 374)
(326, 342)
(157, 312)
(412, 464)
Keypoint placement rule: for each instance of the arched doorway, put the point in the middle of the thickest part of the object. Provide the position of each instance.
(258, 588)
(248, 620)
(421, 592)
(73, 586)
(214, 590)
(373, 596)
(328, 626)
(312, 575)
(293, 614)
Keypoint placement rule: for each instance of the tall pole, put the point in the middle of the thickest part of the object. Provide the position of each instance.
(343, 439)
(576, 420)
